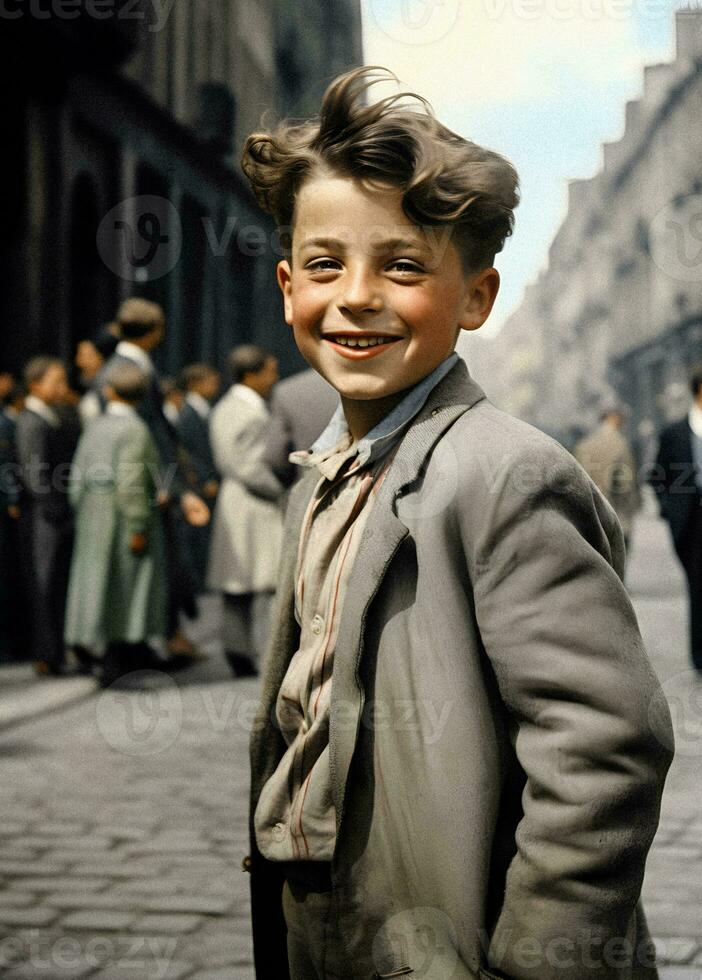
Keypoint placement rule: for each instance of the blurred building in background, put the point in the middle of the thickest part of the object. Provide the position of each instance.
(618, 311)
(142, 106)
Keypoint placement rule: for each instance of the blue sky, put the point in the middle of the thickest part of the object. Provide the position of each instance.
(542, 81)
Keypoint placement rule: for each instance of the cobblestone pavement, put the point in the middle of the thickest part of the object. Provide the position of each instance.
(123, 819)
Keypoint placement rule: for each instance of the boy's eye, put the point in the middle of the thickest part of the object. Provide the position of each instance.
(322, 265)
(405, 266)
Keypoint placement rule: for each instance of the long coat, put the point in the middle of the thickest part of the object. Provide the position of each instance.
(248, 521)
(114, 595)
(495, 793)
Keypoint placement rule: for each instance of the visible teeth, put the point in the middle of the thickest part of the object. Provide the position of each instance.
(362, 341)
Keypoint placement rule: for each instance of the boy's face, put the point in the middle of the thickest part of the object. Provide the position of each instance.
(361, 269)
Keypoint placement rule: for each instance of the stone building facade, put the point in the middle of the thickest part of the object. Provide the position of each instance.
(618, 311)
(123, 157)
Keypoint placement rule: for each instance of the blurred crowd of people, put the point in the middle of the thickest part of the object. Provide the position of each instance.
(122, 502)
(124, 497)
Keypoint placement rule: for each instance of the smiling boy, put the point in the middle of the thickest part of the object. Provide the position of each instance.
(446, 779)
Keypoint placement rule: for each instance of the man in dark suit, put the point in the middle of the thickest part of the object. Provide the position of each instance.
(677, 480)
(142, 327)
(201, 384)
(45, 447)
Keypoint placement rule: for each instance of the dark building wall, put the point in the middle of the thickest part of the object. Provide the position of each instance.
(95, 135)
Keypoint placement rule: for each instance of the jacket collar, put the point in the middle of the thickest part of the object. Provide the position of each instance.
(455, 394)
(381, 437)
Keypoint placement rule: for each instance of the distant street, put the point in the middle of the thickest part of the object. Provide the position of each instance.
(123, 817)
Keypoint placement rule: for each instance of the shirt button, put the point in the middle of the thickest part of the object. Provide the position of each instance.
(316, 625)
(279, 831)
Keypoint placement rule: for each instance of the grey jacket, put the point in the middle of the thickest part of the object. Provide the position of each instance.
(496, 795)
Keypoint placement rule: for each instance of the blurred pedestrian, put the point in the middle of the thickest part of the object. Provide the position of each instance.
(301, 407)
(9, 511)
(201, 384)
(607, 458)
(45, 448)
(173, 399)
(14, 611)
(7, 383)
(247, 526)
(677, 481)
(142, 328)
(90, 358)
(117, 597)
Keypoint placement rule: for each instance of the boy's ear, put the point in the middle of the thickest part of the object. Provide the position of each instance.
(481, 293)
(284, 273)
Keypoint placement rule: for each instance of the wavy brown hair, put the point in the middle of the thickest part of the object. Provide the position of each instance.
(446, 180)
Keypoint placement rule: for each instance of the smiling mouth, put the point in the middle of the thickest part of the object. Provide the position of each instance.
(361, 343)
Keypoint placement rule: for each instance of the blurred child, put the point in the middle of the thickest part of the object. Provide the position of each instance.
(117, 593)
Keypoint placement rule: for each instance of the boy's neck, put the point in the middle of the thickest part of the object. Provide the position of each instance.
(362, 415)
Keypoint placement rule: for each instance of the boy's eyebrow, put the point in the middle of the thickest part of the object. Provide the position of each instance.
(333, 243)
(385, 245)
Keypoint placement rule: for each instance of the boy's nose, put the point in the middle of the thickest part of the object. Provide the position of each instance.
(360, 295)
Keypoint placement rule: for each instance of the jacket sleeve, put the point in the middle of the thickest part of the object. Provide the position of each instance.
(590, 726)
(133, 481)
(239, 455)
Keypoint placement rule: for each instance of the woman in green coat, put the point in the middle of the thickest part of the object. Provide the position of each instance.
(117, 593)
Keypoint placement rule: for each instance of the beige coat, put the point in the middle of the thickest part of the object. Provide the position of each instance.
(496, 796)
(247, 523)
(607, 459)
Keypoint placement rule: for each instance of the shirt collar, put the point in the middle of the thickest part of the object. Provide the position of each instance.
(200, 404)
(336, 437)
(133, 353)
(249, 395)
(40, 408)
(120, 408)
(694, 417)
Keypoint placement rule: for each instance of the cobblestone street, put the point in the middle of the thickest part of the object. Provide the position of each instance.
(123, 817)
